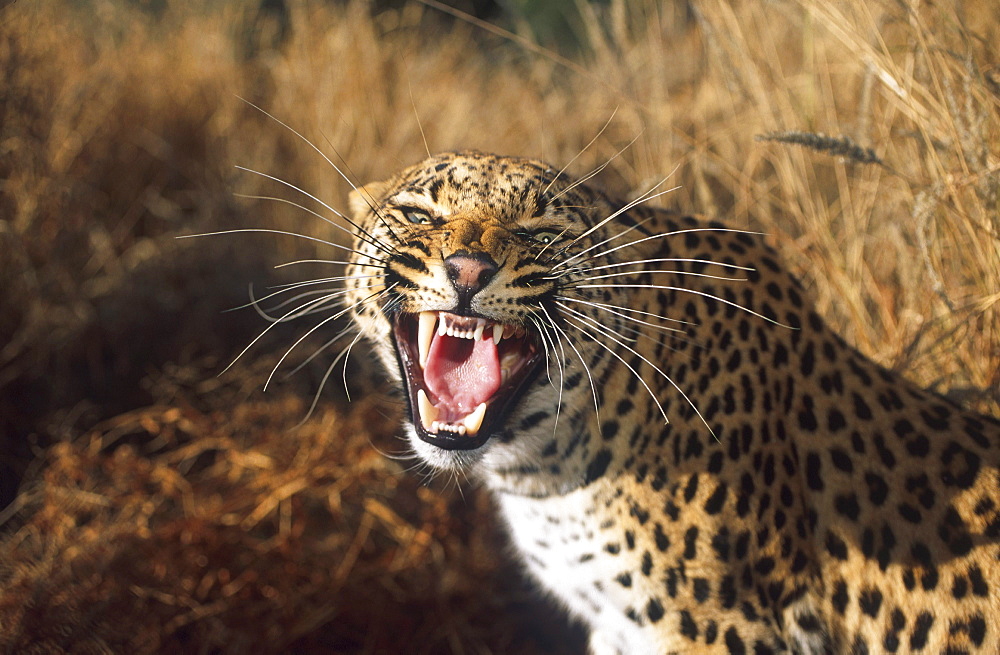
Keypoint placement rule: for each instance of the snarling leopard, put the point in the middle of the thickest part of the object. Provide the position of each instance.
(687, 457)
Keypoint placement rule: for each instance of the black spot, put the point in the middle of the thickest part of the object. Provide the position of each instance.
(910, 513)
(690, 542)
(598, 466)
(919, 446)
(727, 592)
(688, 627)
(922, 625)
(959, 587)
(841, 460)
(937, 423)
(861, 408)
(734, 643)
(870, 601)
(977, 629)
(612, 549)
(847, 505)
(860, 646)
(661, 539)
(929, 579)
(835, 420)
(813, 477)
(840, 597)
(700, 588)
(808, 361)
(807, 420)
(711, 632)
(640, 514)
(647, 563)
(961, 477)
(609, 429)
(979, 586)
(691, 488)
(764, 565)
(836, 547)
(720, 544)
(716, 501)
(654, 610)
(878, 490)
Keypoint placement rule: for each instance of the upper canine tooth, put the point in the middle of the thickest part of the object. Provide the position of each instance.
(428, 412)
(425, 333)
(474, 421)
(497, 332)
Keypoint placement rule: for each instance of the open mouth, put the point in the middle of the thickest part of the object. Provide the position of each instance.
(463, 374)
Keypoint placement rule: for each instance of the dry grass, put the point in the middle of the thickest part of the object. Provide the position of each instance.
(163, 509)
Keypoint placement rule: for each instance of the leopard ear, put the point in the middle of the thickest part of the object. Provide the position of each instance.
(364, 198)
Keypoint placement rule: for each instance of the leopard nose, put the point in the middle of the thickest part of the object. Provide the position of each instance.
(469, 272)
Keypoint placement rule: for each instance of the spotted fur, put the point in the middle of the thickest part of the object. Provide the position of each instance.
(800, 499)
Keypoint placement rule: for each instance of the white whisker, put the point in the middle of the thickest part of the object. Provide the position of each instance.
(684, 290)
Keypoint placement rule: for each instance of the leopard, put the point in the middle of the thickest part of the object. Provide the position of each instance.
(686, 457)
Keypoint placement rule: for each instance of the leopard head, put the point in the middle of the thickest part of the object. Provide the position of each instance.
(460, 281)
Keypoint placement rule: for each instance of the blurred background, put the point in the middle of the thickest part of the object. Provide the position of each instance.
(152, 500)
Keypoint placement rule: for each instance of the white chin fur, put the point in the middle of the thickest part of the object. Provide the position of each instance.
(439, 458)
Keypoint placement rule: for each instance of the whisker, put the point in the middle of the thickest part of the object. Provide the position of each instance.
(597, 171)
(360, 229)
(583, 329)
(375, 244)
(282, 319)
(623, 315)
(658, 260)
(315, 261)
(291, 234)
(645, 197)
(328, 160)
(684, 290)
(665, 377)
(633, 273)
(601, 327)
(583, 363)
(577, 155)
(650, 238)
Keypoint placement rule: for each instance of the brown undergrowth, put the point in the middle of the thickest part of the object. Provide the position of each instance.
(152, 506)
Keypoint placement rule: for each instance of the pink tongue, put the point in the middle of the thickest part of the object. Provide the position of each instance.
(461, 373)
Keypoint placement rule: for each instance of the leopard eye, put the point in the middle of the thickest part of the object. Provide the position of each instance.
(417, 216)
(544, 237)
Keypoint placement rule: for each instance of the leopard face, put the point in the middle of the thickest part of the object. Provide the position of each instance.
(687, 457)
(478, 255)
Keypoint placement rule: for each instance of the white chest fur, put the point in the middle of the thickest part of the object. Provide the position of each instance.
(564, 542)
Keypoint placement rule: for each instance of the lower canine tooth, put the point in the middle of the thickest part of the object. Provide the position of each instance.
(428, 412)
(474, 421)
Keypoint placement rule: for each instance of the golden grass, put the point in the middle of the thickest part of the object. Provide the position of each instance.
(166, 510)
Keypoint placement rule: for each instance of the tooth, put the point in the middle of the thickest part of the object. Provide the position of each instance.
(480, 328)
(428, 412)
(497, 332)
(509, 331)
(442, 328)
(474, 421)
(425, 334)
(504, 375)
